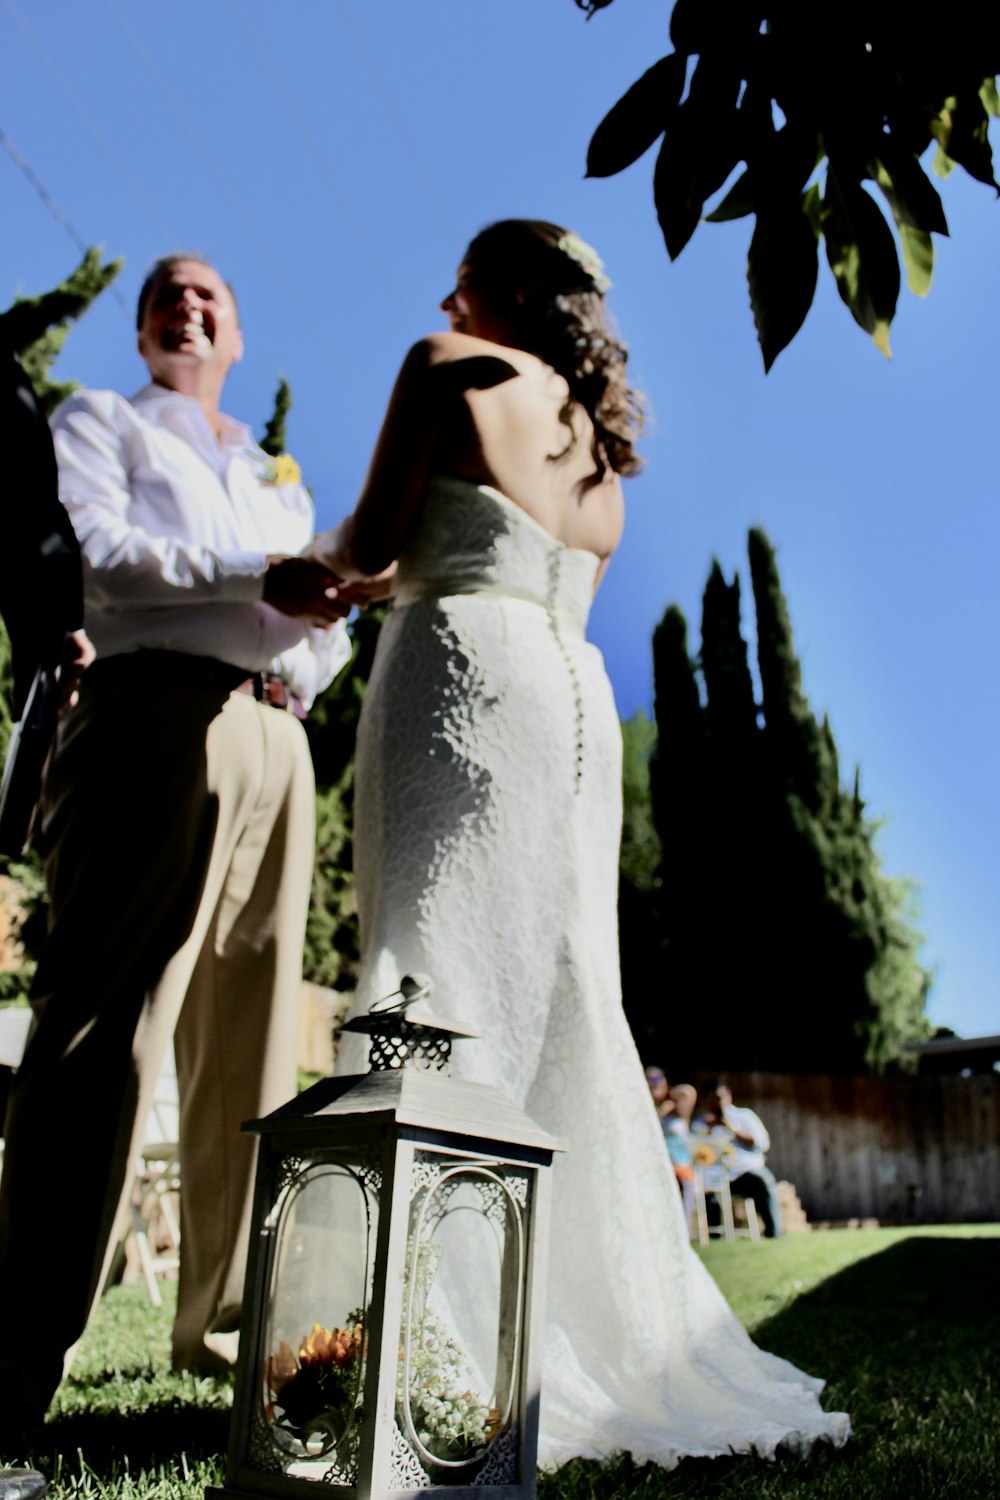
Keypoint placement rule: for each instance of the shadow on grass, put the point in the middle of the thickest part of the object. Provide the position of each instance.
(112, 1440)
(907, 1341)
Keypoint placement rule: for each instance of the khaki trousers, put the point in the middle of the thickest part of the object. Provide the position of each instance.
(179, 822)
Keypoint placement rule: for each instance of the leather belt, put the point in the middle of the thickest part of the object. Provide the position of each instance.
(267, 688)
(151, 667)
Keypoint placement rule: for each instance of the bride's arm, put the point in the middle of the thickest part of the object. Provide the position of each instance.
(369, 539)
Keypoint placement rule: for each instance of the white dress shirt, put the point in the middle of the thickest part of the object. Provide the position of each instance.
(743, 1158)
(175, 529)
(746, 1158)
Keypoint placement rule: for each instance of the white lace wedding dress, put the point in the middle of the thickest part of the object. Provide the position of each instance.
(488, 814)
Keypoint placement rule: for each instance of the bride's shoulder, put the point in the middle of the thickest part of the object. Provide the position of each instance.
(447, 348)
(445, 365)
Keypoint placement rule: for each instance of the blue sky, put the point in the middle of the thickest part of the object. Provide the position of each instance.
(334, 156)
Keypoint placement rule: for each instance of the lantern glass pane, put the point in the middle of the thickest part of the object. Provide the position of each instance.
(462, 1312)
(311, 1373)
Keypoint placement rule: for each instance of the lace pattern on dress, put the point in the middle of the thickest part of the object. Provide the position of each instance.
(488, 820)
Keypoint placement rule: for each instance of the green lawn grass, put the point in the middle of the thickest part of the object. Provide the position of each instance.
(904, 1324)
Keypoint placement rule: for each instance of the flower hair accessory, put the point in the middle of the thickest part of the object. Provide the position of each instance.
(587, 258)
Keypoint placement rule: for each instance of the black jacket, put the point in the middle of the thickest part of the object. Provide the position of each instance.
(41, 589)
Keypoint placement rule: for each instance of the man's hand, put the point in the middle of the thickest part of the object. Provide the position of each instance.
(78, 653)
(742, 1137)
(304, 589)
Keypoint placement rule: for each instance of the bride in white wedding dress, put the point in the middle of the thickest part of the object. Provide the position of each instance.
(488, 814)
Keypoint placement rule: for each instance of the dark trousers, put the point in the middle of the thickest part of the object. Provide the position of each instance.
(179, 822)
(761, 1190)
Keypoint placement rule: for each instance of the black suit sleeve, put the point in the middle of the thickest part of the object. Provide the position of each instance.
(41, 589)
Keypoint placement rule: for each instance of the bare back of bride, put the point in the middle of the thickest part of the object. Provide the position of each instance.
(488, 816)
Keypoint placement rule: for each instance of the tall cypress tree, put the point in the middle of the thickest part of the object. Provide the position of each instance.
(274, 441)
(332, 951)
(786, 947)
(798, 750)
(677, 759)
(332, 954)
(639, 876)
(731, 713)
(678, 769)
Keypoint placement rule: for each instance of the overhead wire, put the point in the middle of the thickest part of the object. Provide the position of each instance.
(19, 161)
(129, 181)
(230, 197)
(320, 158)
(399, 122)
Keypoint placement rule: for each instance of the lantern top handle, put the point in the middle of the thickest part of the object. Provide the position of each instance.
(412, 987)
(400, 1039)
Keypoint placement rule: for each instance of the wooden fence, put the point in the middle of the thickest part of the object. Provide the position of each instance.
(900, 1150)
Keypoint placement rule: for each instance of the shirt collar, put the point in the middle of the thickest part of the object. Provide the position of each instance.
(183, 415)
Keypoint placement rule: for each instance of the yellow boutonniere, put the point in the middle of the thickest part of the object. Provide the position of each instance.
(282, 470)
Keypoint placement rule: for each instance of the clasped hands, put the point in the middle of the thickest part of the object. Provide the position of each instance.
(306, 588)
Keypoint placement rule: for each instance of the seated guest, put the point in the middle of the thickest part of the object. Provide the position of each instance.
(677, 1134)
(744, 1133)
(683, 1097)
(659, 1089)
(675, 1107)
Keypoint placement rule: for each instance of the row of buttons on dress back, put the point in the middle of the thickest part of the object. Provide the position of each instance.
(551, 605)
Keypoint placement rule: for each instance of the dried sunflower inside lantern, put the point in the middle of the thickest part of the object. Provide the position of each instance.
(313, 1395)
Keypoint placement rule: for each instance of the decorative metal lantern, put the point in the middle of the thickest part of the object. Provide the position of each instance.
(393, 1312)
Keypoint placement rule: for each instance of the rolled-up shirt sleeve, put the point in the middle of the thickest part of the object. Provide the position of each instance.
(124, 562)
(312, 664)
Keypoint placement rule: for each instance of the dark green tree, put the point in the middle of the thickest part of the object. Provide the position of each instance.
(673, 759)
(639, 898)
(640, 853)
(273, 442)
(332, 951)
(820, 106)
(36, 327)
(786, 946)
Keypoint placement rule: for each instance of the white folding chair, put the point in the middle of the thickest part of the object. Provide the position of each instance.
(153, 1237)
(713, 1181)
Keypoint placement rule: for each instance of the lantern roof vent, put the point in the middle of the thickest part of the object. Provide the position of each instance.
(405, 1033)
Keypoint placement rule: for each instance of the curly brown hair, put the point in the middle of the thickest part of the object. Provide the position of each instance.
(554, 300)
